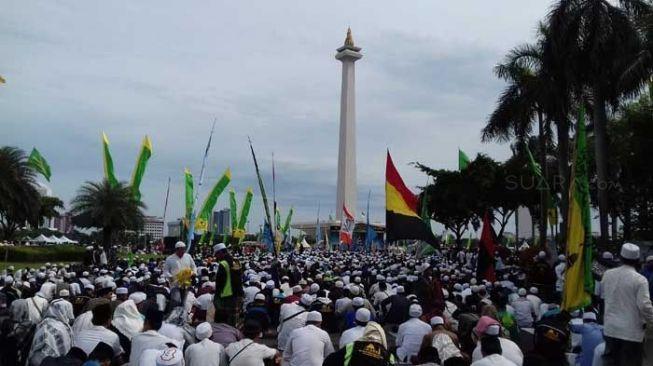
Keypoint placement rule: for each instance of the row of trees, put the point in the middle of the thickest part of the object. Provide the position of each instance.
(109, 208)
(589, 54)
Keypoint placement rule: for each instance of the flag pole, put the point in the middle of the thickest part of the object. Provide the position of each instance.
(191, 226)
(165, 205)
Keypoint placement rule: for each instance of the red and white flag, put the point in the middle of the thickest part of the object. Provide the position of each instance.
(347, 227)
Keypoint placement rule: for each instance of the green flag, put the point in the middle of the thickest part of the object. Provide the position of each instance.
(277, 219)
(232, 210)
(188, 180)
(536, 169)
(463, 160)
(286, 225)
(37, 161)
(244, 210)
(108, 162)
(579, 282)
(139, 169)
(210, 201)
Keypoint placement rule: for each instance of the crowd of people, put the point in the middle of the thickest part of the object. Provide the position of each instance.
(325, 308)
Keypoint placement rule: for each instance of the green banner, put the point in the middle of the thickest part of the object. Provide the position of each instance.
(37, 161)
(463, 160)
(188, 184)
(244, 210)
(286, 225)
(232, 210)
(141, 164)
(108, 162)
(210, 201)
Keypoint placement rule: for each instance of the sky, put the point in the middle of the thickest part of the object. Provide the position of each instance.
(264, 69)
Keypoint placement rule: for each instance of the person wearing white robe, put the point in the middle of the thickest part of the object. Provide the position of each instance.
(353, 334)
(410, 334)
(205, 352)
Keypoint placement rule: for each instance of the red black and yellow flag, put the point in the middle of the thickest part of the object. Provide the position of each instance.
(401, 218)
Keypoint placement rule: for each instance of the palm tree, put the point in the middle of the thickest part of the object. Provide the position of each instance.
(19, 199)
(110, 208)
(601, 41)
(48, 209)
(524, 101)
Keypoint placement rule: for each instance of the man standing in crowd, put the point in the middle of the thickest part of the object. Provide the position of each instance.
(628, 310)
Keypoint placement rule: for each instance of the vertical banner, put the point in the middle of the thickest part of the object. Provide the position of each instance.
(141, 164)
(347, 227)
(232, 211)
(188, 190)
(108, 162)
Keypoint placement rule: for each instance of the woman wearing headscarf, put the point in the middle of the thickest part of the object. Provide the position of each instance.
(53, 335)
(18, 339)
(369, 350)
(127, 322)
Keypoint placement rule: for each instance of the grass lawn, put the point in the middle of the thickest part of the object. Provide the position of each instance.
(19, 265)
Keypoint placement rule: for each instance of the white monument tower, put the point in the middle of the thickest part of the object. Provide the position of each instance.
(348, 54)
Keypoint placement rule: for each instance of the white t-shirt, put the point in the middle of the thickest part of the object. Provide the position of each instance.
(89, 338)
(510, 350)
(307, 346)
(252, 356)
(351, 335)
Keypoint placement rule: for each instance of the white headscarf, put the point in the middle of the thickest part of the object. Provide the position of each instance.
(127, 319)
(373, 332)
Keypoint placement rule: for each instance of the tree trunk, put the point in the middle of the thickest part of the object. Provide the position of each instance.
(542, 183)
(614, 227)
(601, 153)
(106, 239)
(563, 173)
(627, 224)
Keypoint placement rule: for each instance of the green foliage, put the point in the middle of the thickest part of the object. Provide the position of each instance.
(53, 253)
(48, 208)
(19, 199)
(459, 198)
(108, 207)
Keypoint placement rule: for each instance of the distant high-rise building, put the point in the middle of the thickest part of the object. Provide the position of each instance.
(64, 223)
(221, 221)
(153, 226)
(174, 228)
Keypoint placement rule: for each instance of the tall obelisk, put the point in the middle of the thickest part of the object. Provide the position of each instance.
(348, 54)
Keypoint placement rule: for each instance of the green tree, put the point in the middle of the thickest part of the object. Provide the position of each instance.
(48, 208)
(19, 199)
(602, 40)
(109, 208)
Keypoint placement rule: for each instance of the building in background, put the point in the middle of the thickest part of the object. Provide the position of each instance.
(64, 223)
(174, 228)
(221, 221)
(153, 226)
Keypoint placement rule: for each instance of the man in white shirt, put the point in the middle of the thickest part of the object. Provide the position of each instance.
(87, 339)
(628, 310)
(492, 353)
(535, 300)
(524, 310)
(292, 316)
(150, 338)
(174, 263)
(411, 333)
(362, 317)
(309, 345)
(248, 352)
(178, 260)
(560, 273)
(251, 291)
(205, 352)
(488, 327)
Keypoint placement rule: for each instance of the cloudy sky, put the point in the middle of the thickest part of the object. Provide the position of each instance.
(264, 69)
